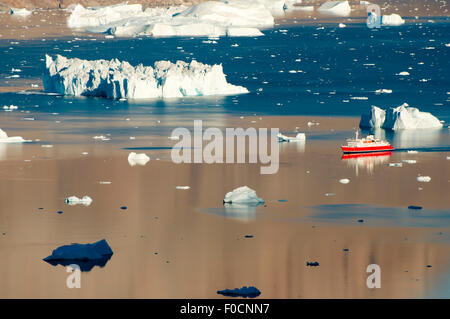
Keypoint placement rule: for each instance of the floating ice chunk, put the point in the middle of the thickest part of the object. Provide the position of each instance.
(423, 179)
(336, 8)
(115, 79)
(73, 200)
(242, 195)
(410, 161)
(402, 117)
(137, 159)
(20, 12)
(86, 256)
(298, 138)
(344, 181)
(4, 138)
(101, 137)
(396, 164)
(182, 187)
(104, 183)
(392, 20)
(341, 25)
(403, 73)
(10, 107)
(385, 91)
(412, 152)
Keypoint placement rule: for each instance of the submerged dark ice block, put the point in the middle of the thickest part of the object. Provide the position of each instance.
(246, 292)
(86, 256)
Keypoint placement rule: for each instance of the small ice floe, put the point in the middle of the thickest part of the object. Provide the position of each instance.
(101, 138)
(410, 161)
(137, 159)
(363, 98)
(86, 256)
(182, 187)
(298, 138)
(47, 145)
(448, 158)
(412, 152)
(330, 194)
(344, 181)
(10, 108)
(395, 164)
(403, 73)
(312, 124)
(423, 179)
(4, 138)
(242, 195)
(383, 91)
(22, 12)
(245, 292)
(104, 183)
(341, 25)
(73, 200)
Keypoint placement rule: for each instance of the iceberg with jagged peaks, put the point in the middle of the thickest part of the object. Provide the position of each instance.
(118, 79)
(399, 118)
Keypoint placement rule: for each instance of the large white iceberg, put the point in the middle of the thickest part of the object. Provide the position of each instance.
(392, 20)
(115, 79)
(399, 118)
(209, 18)
(335, 8)
(242, 195)
(4, 138)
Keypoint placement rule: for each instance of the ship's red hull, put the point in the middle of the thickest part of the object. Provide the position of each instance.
(367, 149)
(359, 155)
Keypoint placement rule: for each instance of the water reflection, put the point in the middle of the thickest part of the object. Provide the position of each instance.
(366, 161)
(240, 212)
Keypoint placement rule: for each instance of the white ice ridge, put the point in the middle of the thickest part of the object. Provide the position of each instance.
(392, 19)
(115, 79)
(402, 117)
(4, 138)
(335, 8)
(242, 195)
(209, 18)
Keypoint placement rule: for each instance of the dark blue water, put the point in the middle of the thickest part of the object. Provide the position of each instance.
(336, 63)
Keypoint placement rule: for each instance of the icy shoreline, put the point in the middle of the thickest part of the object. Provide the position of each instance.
(118, 79)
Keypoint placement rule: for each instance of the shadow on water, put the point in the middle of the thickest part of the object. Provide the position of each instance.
(370, 215)
(85, 265)
(241, 212)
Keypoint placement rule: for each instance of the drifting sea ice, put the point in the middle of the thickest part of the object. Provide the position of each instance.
(344, 181)
(115, 79)
(392, 20)
(137, 159)
(423, 179)
(73, 200)
(243, 195)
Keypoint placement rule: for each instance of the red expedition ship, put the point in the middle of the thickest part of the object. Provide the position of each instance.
(367, 144)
